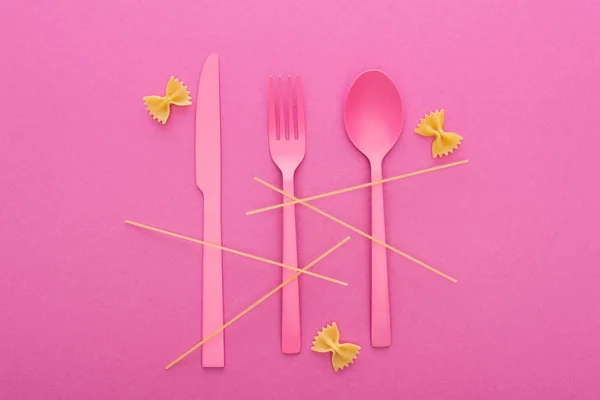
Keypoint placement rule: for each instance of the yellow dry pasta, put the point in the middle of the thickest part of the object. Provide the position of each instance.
(328, 340)
(443, 142)
(160, 107)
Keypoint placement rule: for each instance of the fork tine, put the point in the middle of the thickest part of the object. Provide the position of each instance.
(282, 131)
(291, 119)
(272, 115)
(300, 109)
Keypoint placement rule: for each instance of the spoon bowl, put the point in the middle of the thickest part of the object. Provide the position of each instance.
(373, 114)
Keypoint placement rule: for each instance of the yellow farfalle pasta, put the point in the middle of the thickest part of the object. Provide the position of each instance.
(160, 107)
(443, 142)
(328, 340)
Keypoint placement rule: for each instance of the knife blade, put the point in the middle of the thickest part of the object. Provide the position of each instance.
(208, 180)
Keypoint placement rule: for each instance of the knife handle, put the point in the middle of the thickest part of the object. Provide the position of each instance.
(381, 331)
(213, 351)
(290, 297)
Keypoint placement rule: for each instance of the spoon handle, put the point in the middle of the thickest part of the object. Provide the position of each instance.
(381, 334)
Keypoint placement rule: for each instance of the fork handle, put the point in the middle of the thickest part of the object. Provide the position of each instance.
(290, 298)
(381, 334)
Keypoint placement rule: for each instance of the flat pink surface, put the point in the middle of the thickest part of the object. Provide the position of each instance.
(93, 309)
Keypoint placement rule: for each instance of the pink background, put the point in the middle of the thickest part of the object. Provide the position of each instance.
(93, 309)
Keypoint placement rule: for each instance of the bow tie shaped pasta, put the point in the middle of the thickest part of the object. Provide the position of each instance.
(443, 142)
(160, 107)
(328, 339)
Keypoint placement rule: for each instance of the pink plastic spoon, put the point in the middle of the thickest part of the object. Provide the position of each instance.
(373, 115)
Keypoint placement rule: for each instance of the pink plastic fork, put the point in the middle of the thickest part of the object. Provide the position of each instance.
(288, 147)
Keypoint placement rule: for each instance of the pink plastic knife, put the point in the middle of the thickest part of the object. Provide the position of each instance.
(208, 179)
